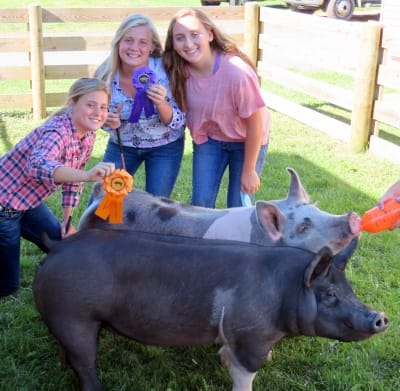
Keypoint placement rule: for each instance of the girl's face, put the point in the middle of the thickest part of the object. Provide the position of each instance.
(135, 47)
(191, 39)
(89, 112)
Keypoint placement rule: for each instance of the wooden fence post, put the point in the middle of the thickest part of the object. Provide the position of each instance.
(251, 30)
(364, 87)
(37, 62)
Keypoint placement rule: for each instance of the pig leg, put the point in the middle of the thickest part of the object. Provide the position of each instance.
(79, 341)
(242, 379)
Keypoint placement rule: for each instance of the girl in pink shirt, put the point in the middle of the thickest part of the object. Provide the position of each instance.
(217, 85)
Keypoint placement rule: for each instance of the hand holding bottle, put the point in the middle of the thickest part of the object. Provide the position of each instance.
(382, 217)
(392, 192)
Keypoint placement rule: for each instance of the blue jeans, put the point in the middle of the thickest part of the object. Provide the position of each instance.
(161, 164)
(210, 160)
(30, 225)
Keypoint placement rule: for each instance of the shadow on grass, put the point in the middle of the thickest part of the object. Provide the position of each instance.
(332, 193)
(386, 132)
(319, 107)
(31, 352)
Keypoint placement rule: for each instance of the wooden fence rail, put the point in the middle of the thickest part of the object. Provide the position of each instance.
(287, 47)
(90, 39)
(337, 47)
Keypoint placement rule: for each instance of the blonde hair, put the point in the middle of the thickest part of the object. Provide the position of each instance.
(81, 87)
(111, 64)
(175, 65)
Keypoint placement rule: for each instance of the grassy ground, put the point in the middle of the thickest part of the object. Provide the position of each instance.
(337, 180)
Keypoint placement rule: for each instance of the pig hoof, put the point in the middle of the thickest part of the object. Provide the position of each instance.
(224, 357)
(63, 358)
(269, 355)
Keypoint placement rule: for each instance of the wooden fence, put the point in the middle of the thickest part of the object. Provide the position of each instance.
(386, 107)
(79, 49)
(287, 47)
(291, 55)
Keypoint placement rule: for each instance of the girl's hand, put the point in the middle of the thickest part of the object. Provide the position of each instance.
(392, 192)
(71, 230)
(113, 118)
(157, 94)
(250, 182)
(99, 171)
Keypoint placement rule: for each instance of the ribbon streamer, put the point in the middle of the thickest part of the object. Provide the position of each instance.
(142, 79)
(117, 186)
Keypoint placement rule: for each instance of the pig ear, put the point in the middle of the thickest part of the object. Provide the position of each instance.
(270, 218)
(319, 266)
(297, 194)
(341, 258)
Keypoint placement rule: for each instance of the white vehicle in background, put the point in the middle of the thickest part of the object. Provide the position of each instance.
(338, 9)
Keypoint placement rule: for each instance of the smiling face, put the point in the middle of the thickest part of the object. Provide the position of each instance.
(135, 47)
(89, 112)
(191, 40)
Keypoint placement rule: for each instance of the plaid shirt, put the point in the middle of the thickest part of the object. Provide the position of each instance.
(26, 171)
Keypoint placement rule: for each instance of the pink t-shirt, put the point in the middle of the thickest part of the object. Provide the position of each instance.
(218, 104)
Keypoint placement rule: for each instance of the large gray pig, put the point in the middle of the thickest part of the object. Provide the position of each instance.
(175, 291)
(290, 222)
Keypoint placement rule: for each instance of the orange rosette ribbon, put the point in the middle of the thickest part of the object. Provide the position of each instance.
(117, 186)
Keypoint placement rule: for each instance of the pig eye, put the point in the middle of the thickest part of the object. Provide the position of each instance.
(331, 293)
(302, 228)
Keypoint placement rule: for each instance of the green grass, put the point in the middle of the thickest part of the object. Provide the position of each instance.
(337, 180)
(386, 132)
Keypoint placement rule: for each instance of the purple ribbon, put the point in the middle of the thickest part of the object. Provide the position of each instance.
(142, 79)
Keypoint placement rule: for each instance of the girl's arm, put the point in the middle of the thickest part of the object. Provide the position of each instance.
(250, 181)
(64, 174)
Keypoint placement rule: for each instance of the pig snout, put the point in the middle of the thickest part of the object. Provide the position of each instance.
(354, 223)
(379, 322)
(366, 324)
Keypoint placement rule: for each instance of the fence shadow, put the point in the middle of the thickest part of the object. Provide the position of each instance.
(330, 192)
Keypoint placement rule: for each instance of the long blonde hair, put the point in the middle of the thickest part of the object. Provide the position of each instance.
(111, 64)
(81, 87)
(175, 65)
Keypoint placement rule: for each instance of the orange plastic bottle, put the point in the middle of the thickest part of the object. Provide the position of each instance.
(377, 220)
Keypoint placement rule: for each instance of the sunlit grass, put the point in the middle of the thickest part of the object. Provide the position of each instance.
(337, 180)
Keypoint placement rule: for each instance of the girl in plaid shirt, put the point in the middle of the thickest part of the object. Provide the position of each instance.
(51, 156)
